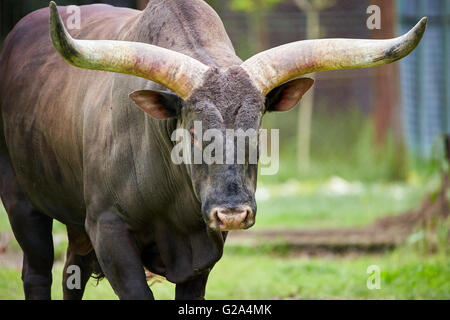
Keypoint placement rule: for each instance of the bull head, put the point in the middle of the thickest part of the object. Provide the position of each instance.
(232, 97)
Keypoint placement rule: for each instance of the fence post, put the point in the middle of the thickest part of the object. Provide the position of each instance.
(420, 84)
(446, 107)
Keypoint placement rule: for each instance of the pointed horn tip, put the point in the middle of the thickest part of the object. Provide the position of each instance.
(53, 11)
(421, 25)
(54, 14)
(59, 36)
(414, 36)
(55, 19)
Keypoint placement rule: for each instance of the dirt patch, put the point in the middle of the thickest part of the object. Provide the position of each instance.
(11, 260)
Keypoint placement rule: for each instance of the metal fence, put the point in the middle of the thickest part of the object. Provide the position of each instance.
(425, 75)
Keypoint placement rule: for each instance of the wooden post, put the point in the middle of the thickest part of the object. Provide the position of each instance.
(312, 10)
(307, 102)
(386, 108)
(386, 88)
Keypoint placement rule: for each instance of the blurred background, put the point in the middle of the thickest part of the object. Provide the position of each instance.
(363, 176)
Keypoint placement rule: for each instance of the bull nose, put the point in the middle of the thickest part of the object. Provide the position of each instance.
(241, 217)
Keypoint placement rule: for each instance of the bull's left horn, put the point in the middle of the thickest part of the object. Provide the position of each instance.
(273, 67)
(176, 71)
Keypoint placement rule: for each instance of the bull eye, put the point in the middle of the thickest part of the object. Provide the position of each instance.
(192, 132)
(194, 138)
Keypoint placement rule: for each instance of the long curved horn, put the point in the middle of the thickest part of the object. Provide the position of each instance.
(178, 72)
(273, 67)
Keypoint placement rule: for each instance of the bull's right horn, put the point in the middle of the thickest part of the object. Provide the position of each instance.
(176, 71)
(273, 67)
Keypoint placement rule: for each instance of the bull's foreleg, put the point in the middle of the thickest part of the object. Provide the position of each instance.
(118, 255)
(193, 289)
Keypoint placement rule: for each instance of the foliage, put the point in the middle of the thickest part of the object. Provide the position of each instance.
(253, 5)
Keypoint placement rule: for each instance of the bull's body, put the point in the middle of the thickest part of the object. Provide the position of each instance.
(74, 141)
(75, 148)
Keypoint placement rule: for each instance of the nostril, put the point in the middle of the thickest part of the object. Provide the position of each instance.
(215, 216)
(227, 218)
(248, 215)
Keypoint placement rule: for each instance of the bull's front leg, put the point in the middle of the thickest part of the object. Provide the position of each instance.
(118, 255)
(193, 289)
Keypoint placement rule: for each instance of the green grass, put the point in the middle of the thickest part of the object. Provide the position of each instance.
(404, 275)
(309, 205)
(4, 222)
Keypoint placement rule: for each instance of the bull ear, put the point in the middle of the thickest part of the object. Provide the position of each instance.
(160, 105)
(287, 95)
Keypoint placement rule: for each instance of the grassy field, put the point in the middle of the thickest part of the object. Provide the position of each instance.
(247, 275)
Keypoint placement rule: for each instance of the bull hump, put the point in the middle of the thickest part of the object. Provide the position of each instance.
(190, 27)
